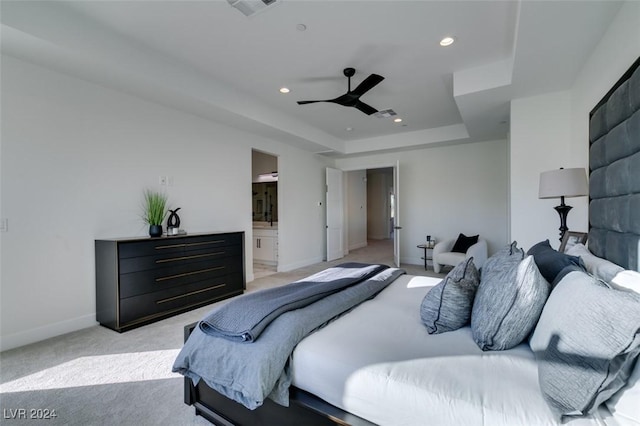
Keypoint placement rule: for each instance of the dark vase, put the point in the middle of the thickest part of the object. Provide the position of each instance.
(155, 230)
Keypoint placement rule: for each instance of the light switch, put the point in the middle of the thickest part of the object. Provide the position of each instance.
(4, 225)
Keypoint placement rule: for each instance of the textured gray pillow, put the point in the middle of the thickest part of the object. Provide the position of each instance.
(447, 306)
(586, 341)
(508, 303)
(595, 265)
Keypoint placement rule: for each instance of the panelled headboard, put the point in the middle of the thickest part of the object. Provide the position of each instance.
(614, 178)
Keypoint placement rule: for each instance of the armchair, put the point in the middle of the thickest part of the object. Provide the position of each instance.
(442, 254)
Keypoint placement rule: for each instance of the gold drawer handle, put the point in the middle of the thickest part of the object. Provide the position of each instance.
(189, 244)
(191, 293)
(201, 271)
(195, 256)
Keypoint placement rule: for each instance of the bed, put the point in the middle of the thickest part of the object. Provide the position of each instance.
(575, 362)
(377, 364)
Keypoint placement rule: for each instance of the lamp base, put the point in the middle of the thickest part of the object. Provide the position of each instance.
(563, 211)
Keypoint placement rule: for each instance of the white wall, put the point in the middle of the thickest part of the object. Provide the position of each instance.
(540, 132)
(356, 209)
(618, 49)
(75, 160)
(551, 131)
(447, 190)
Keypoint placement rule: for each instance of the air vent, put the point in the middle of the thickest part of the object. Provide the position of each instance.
(251, 7)
(385, 113)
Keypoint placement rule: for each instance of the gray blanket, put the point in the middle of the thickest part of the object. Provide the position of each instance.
(245, 317)
(250, 373)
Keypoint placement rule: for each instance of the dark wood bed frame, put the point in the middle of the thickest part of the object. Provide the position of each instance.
(304, 408)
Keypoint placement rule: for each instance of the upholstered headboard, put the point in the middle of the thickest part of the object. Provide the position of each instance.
(614, 180)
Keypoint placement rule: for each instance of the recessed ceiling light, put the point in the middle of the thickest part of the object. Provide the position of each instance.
(397, 120)
(349, 129)
(301, 27)
(447, 41)
(284, 90)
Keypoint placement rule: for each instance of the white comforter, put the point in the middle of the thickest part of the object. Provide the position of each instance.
(378, 362)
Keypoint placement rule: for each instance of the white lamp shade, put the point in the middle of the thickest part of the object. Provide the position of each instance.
(563, 183)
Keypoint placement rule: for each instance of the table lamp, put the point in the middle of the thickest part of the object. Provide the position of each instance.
(563, 183)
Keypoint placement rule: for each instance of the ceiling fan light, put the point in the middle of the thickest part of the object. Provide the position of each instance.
(447, 41)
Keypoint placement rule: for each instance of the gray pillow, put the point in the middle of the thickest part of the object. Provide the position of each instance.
(508, 304)
(510, 251)
(586, 342)
(447, 306)
(595, 265)
(552, 264)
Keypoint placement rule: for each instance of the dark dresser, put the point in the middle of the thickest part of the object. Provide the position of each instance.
(142, 280)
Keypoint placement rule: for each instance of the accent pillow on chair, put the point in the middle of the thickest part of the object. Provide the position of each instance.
(443, 253)
(447, 306)
(463, 243)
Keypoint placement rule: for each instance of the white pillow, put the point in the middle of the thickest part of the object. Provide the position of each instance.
(627, 280)
(625, 404)
(597, 266)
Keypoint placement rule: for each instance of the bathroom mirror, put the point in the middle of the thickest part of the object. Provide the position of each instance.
(265, 202)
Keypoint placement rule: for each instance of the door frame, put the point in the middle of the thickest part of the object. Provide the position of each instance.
(335, 220)
(395, 165)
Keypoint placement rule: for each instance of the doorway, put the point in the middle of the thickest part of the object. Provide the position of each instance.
(264, 213)
(370, 207)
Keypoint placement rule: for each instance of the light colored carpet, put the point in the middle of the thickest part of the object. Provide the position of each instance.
(96, 376)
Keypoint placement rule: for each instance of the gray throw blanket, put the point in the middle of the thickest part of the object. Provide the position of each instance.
(245, 317)
(250, 373)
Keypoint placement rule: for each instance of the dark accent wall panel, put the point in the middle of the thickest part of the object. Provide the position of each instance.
(614, 178)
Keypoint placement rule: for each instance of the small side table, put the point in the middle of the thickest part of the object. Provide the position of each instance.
(428, 254)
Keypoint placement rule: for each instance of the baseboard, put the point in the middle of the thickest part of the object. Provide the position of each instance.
(413, 260)
(48, 331)
(291, 266)
(357, 246)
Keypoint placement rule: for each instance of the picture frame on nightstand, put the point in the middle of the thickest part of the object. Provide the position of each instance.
(570, 239)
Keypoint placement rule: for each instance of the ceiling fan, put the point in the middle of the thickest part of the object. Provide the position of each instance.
(352, 98)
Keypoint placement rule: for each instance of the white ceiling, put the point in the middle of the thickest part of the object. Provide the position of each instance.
(207, 58)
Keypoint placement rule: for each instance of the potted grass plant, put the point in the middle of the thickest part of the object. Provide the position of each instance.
(154, 211)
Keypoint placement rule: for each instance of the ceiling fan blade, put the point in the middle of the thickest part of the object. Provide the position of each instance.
(342, 100)
(367, 84)
(367, 109)
(309, 102)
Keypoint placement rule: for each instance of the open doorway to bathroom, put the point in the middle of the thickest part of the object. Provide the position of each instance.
(264, 214)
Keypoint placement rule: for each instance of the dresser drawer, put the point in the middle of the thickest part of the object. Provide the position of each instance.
(177, 245)
(178, 275)
(146, 306)
(134, 264)
(142, 280)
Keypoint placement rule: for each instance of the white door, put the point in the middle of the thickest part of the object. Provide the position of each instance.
(396, 221)
(335, 215)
